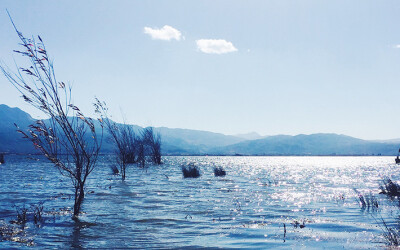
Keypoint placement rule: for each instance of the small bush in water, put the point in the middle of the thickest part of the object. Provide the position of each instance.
(37, 213)
(190, 171)
(219, 171)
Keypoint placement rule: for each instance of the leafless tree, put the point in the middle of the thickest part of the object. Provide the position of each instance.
(141, 152)
(68, 138)
(153, 142)
(131, 137)
(1, 158)
(122, 136)
(130, 148)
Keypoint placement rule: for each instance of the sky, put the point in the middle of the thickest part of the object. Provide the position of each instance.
(232, 67)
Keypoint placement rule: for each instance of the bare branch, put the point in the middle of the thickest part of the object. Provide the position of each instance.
(69, 142)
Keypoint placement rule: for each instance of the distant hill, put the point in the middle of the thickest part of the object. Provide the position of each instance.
(9, 116)
(314, 144)
(250, 136)
(395, 141)
(174, 141)
(194, 142)
(10, 139)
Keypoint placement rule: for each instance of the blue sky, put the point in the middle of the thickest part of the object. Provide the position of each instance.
(274, 67)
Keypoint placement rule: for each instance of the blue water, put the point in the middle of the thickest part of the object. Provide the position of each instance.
(248, 208)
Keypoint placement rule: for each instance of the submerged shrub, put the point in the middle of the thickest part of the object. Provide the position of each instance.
(297, 224)
(191, 171)
(37, 213)
(122, 136)
(152, 141)
(114, 169)
(21, 214)
(219, 171)
(390, 188)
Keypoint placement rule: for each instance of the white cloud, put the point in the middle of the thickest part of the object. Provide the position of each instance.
(397, 46)
(165, 33)
(215, 46)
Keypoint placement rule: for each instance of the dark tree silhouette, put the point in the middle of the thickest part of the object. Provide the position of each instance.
(122, 136)
(68, 138)
(153, 142)
(130, 147)
(1, 158)
(141, 152)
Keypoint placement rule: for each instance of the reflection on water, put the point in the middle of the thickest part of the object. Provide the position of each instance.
(261, 202)
(75, 238)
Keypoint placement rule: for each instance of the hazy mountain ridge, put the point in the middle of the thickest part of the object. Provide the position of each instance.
(314, 144)
(195, 142)
(175, 141)
(10, 139)
(250, 136)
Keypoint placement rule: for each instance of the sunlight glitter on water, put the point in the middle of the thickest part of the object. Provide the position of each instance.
(247, 208)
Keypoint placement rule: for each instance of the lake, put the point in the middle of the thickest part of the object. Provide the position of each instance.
(262, 202)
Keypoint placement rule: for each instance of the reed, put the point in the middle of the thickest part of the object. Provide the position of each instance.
(68, 138)
(367, 201)
(390, 188)
(391, 234)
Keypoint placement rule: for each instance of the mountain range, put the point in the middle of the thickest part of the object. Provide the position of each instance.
(194, 142)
